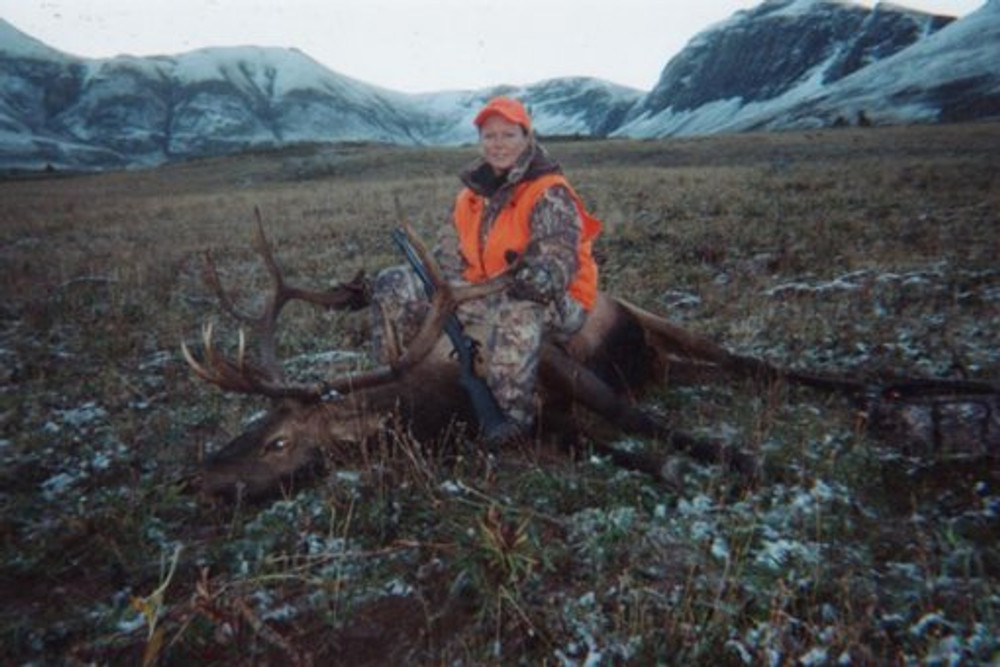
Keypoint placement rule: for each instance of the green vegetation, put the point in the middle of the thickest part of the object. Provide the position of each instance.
(849, 251)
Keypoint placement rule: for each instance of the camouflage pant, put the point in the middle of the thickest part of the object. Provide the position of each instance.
(510, 333)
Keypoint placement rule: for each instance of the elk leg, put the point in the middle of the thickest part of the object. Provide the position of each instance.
(566, 376)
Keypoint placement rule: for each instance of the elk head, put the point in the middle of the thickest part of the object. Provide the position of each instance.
(312, 420)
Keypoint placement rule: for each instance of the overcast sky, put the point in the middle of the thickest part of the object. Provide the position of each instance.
(407, 45)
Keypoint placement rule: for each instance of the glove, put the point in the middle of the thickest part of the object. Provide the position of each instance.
(533, 282)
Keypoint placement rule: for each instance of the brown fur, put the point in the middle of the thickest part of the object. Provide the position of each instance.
(615, 347)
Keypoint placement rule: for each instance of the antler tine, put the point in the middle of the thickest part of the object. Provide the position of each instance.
(243, 377)
(426, 258)
(265, 249)
(263, 325)
(214, 369)
(422, 344)
(210, 275)
(195, 365)
(353, 295)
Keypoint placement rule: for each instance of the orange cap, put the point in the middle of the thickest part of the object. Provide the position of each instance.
(507, 108)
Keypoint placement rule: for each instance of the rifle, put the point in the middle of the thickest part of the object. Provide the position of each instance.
(487, 411)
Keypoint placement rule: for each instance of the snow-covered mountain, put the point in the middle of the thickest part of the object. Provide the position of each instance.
(145, 110)
(68, 112)
(951, 76)
(780, 52)
(783, 64)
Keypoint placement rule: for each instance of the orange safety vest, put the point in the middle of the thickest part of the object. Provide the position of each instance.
(511, 231)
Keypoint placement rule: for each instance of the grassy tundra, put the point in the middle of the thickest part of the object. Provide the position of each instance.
(854, 251)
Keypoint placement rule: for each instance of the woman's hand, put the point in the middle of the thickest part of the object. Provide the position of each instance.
(533, 282)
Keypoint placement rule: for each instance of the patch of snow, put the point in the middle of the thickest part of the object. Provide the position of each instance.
(157, 360)
(54, 487)
(131, 623)
(452, 488)
(814, 656)
(700, 504)
(399, 588)
(777, 554)
(673, 299)
(932, 620)
(84, 415)
(720, 548)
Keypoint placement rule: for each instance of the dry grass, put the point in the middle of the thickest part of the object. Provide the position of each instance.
(844, 552)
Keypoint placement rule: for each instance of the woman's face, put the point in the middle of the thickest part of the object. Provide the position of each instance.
(501, 142)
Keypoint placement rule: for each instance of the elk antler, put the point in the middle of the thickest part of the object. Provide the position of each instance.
(352, 295)
(267, 377)
(240, 376)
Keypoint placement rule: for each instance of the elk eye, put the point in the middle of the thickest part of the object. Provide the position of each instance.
(276, 445)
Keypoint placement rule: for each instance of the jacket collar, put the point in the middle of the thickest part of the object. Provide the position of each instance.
(535, 161)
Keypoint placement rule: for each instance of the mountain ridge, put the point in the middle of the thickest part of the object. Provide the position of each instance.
(782, 64)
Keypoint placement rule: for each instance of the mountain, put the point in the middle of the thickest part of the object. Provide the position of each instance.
(128, 110)
(76, 113)
(579, 106)
(783, 64)
(777, 52)
(951, 76)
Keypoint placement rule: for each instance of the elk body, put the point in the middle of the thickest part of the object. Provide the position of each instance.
(620, 351)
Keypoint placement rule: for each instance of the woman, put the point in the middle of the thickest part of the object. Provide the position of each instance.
(517, 211)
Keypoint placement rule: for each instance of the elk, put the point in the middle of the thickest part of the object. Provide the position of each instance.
(621, 350)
